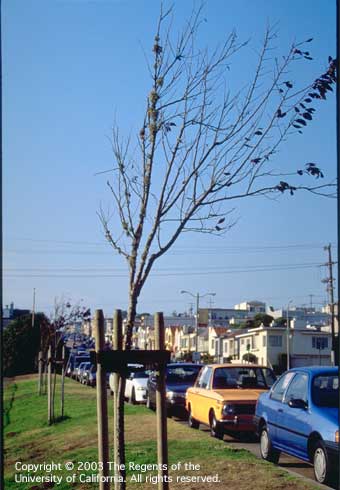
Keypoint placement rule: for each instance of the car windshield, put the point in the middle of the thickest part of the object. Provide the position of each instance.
(182, 374)
(140, 374)
(243, 377)
(79, 360)
(325, 391)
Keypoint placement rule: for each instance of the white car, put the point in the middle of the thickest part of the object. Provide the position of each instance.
(135, 388)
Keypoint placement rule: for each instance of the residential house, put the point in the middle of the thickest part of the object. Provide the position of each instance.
(268, 346)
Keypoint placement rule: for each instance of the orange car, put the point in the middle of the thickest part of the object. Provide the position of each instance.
(224, 397)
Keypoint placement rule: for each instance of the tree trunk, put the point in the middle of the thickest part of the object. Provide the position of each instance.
(120, 443)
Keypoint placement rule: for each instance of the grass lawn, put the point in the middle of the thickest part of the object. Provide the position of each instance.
(28, 439)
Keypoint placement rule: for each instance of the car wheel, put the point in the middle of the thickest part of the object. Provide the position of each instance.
(322, 467)
(215, 428)
(266, 449)
(193, 423)
(132, 397)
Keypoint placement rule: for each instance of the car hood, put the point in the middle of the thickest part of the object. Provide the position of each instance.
(142, 382)
(238, 395)
(178, 387)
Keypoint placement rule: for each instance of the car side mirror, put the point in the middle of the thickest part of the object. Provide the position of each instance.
(298, 403)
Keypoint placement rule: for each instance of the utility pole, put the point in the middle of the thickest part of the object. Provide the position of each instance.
(330, 289)
(197, 296)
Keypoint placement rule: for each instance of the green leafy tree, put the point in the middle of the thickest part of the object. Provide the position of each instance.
(280, 322)
(21, 343)
(262, 318)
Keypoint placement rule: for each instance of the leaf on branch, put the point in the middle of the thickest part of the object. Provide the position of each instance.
(308, 116)
(301, 121)
(289, 84)
(279, 113)
(313, 170)
(258, 133)
(297, 51)
(308, 100)
(309, 40)
(218, 228)
(297, 109)
(308, 57)
(256, 160)
(283, 186)
(222, 220)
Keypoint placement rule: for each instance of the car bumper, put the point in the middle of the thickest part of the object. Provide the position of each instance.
(238, 423)
(332, 450)
(140, 396)
(256, 422)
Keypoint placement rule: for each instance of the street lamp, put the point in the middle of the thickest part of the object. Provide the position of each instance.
(287, 332)
(198, 297)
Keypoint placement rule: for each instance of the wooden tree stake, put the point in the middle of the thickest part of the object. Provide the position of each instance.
(102, 419)
(162, 437)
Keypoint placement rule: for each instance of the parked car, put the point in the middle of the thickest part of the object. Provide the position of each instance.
(179, 377)
(224, 397)
(135, 387)
(79, 369)
(74, 361)
(92, 377)
(299, 416)
(83, 368)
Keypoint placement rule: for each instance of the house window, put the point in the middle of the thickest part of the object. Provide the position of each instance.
(275, 340)
(225, 349)
(242, 341)
(319, 342)
(212, 343)
(264, 341)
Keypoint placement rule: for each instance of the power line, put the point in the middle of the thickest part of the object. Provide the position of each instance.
(168, 274)
(162, 269)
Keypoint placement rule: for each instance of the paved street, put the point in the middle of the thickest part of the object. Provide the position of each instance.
(289, 463)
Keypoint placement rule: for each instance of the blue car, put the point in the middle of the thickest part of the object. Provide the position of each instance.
(299, 416)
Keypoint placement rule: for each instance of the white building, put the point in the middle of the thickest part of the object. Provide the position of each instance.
(268, 346)
(252, 307)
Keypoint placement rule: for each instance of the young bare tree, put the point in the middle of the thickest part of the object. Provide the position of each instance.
(64, 314)
(202, 146)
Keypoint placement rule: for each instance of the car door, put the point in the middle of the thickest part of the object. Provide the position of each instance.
(128, 385)
(199, 394)
(273, 408)
(293, 427)
(204, 396)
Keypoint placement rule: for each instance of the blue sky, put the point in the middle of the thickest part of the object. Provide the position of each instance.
(69, 68)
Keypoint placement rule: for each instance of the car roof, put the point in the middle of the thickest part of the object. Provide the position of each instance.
(179, 364)
(316, 369)
(244, 366)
